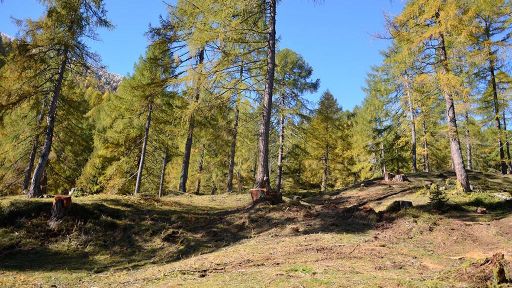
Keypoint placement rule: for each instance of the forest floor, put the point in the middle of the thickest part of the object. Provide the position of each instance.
(330, 240)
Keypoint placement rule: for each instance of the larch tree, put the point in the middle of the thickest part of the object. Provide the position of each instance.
(262, 168)
(63, 30)
(494, 22)
(293, 79)
(156, 72)
(436, 28)
(322, 135)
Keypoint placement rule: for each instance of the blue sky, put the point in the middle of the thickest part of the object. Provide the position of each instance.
(336, 37)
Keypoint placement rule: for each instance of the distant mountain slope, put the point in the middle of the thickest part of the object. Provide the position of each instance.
(107, 81)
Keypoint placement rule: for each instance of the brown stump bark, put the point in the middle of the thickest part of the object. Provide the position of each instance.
(60, 206)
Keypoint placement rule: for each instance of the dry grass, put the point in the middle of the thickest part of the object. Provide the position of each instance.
(214, 241)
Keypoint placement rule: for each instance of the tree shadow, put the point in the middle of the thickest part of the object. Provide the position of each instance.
(124, 234)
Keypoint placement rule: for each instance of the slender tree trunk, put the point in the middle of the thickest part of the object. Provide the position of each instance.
(44, 181)
(382, 156)
(469, 147)
(507, 143)
(413, 130)
(325, 174)
(239, 180)
(254, 167)
(281, 153)
(162, 174)
(497, 114)
(262, 174)
(234, 137)
(33, 151)
(426, 161)
(453, 134)
(35, 185)
(144, 148)
(397, 161)
(190, 135)
(200, 168)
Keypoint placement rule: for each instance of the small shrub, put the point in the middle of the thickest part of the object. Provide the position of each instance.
(437, 197)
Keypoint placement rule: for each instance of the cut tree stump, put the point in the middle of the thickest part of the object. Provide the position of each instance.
(400, 178)
(481, 210)
(388, 176)
(399, 205)
(259, 195)
(61, 204)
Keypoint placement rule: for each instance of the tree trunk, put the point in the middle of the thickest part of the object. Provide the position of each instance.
(507, 143)
(397, 161)
(234, 137)
(162, 175)
(190, 135)
(503, 163)
(200, 168)
(35, 185)
(426, 161)
(453, 134)
(239, 179)
(325, 174)
(383, 162)
(413, 129)
(33, 151)
(262, 174)
(144, 148)
(281, 154)
(469, 147)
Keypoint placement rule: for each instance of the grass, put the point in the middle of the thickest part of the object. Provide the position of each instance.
(214, 241)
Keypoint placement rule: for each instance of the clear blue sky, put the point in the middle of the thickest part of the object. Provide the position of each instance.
(334, 36)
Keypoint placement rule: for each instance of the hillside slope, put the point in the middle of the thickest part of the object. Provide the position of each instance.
(335, 240)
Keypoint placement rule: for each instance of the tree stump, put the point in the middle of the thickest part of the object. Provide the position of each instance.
(400, 178)
(388, 176)
(61, 204)
(481, 210)
(399, 205)
(259, 195)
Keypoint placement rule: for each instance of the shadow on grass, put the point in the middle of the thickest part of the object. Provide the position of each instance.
(124, 233)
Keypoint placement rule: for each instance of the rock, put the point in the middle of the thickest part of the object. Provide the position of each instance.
(503, 196)
(481, 210)
(427, 184)
(399, 205)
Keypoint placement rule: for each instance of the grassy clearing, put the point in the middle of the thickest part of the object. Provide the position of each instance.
(214, 241)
